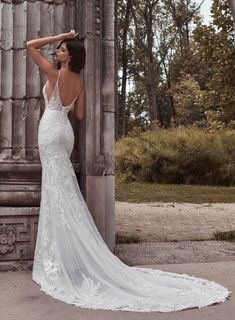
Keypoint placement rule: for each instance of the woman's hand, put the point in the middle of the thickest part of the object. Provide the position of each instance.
(68, 35)
(33, 45)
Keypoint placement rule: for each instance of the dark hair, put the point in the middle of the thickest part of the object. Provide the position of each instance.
(77, 51)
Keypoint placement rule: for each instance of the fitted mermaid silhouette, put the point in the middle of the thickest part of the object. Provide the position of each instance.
(72, 262)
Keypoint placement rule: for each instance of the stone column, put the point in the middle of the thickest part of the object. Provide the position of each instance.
(97, 156)
(21, 107)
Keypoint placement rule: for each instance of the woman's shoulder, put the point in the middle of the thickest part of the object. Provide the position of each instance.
(79, 80)
(68, 74)
(71, 79)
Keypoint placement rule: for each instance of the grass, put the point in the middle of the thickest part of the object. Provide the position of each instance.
(225, 236)
(152, 192)
(126, 238)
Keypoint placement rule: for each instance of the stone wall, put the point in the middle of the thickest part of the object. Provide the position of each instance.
(21, 107)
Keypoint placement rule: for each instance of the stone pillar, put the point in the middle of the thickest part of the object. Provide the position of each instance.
(97, 162)
(21, 107)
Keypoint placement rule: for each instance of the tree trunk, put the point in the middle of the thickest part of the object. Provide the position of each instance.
(152, 74)
(124, 59)
(116, 71)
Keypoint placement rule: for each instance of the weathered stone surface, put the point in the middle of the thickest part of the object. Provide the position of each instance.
(46, 24)
(70, 16)
(108, 88)
(23, 224)
(108, 20)
(1, 5)
(109, 211)
(19, 184)
(19, 25)
(18, 132)
(98, 17)
(59, 18)
(89, 24)
(33, 29)
(5, 130)
(7, 26)
(98, 132)
(33, 79)
(19, 74)
(59, 1)
(80, 18)
(33, 114)
(92, 107)
(47, 19)
(6, 74)
(108, 145)
(7, 239)
(33, 19)
(96, 200)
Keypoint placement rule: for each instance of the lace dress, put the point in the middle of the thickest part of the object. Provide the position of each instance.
(72, 263)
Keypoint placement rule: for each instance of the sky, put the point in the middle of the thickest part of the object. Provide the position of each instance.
(205, 9)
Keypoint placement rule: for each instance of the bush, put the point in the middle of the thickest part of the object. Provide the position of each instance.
(177, 155)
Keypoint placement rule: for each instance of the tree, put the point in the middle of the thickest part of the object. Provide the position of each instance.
(187, 101)
(123, 20)
(159, 54)
(161, 28)
(215, 49)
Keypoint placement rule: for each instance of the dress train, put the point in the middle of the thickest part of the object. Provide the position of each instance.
(72, 262)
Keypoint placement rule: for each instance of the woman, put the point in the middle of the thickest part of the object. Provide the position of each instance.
(72, 263)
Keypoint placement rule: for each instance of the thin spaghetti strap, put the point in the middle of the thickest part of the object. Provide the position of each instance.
(77, 95)
(81, 89)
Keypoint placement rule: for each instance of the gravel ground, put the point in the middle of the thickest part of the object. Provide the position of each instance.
(173, 233)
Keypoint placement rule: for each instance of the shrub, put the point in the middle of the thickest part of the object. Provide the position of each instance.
(177, 155)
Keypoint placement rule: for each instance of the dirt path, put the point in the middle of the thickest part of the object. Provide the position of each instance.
(176, 233)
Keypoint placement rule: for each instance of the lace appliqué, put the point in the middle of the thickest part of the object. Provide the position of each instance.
(72, 262)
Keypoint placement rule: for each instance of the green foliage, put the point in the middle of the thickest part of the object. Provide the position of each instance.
(157, 32)
(187, 100)
(178, 155)
(215, 50)
(176, 70)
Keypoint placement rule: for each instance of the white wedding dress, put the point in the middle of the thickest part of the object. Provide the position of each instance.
(72, 262)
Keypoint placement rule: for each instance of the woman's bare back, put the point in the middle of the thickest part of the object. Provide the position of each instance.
(69, 85)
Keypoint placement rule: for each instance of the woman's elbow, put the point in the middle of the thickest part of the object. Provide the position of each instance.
(79, 111)
(79, 115)
(28, 44)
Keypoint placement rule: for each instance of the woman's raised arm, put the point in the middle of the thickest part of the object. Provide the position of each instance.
(33, 45)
